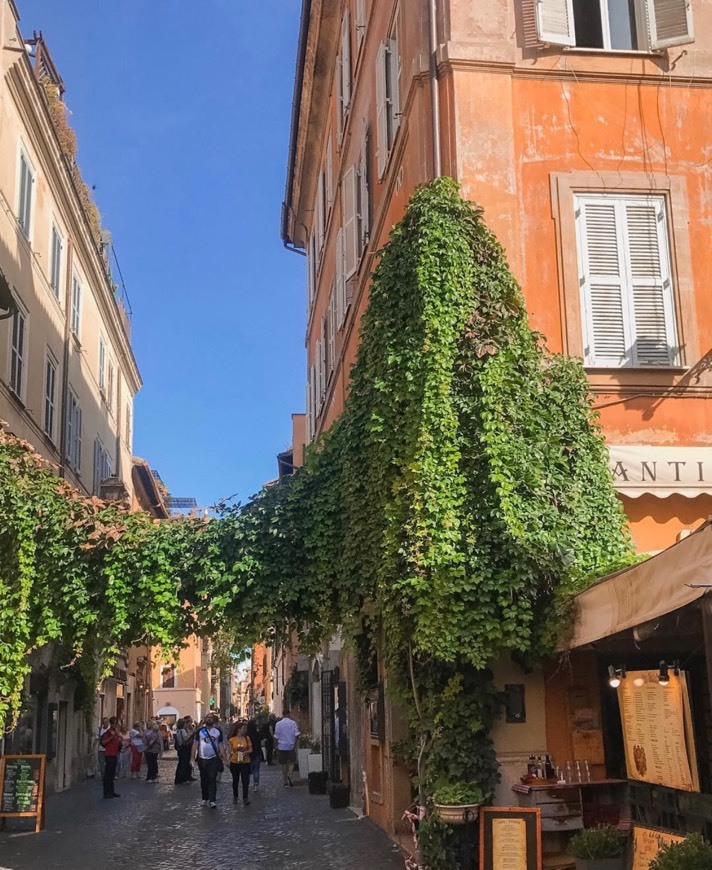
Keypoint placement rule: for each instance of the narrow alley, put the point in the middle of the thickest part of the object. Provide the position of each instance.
(164, 827)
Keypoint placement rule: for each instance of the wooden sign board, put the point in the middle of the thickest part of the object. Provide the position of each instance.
(647, 842)
(510, 838)
(22, 779)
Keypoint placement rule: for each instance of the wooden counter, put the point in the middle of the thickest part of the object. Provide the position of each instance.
(571, 806)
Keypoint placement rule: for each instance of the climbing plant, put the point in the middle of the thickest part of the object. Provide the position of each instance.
(444, 520)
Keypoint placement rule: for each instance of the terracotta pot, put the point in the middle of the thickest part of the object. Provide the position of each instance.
(455, 814)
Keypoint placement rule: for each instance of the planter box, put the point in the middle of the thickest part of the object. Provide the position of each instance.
(318, 782)
(339, 796)
(303, 762)
(316, 763)
(455, 815)
(600, 863)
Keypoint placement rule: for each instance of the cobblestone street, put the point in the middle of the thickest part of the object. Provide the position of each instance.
(163, 827)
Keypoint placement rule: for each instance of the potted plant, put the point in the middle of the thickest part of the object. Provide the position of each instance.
(692, 854)
(599, 848)
(458, 802)
(304, 749)
(316, 762)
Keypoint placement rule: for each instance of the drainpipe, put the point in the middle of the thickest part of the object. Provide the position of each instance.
(434, 88)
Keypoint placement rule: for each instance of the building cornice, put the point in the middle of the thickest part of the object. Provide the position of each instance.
(38, 126)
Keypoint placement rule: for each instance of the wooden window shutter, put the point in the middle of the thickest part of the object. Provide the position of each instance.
(339, 104)
(393, 89)
(382, 144)
(360, 21)
(329, 172)
(349, 198)
(345, 64)
(311, 272)
(602, 277)
(555, 21)
(669, 22)
(324, 357)
(363, 195)
(320, 215)
(340, 280)
(645, 227)
(332, 331)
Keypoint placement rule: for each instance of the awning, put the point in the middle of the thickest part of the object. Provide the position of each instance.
(7, 302)
(168, 711)
(646, 591)
(640, 469)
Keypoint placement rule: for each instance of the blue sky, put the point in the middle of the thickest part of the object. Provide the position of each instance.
(182, 112)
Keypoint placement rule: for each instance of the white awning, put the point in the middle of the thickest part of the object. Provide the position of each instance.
(661, 471)
(168, 711)
(646, 591)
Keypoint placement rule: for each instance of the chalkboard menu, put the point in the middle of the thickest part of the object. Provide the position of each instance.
(510, 838)
(22, 787)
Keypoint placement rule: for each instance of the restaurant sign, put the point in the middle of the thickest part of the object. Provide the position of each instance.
(661, 471)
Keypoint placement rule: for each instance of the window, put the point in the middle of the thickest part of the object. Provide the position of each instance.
(18, 353)
(55, 265)
(329, 173)
(76, 314)
(102, 465)
(355, 210)
(626, 285)
(168, 678)
(320, 211)
(632, 25)
(343, 75)
(50, 396)
(102, 364)
(340, 281)
(387, 97)
(311, 403)
(25, 199)
(128, 425)
(311, 271)
(331, 334)
(110, 378)
(74, 432)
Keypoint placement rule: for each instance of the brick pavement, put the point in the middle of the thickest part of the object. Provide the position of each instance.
(162, 827)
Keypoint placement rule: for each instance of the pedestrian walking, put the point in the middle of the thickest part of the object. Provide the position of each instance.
(286, 732)
(207, 748)
(111, 741)
(241, 749)
(267, 734)
(137, 749)
(152, 747)
(256, 757)
(100, 756)
(182, 740)
(124, 766)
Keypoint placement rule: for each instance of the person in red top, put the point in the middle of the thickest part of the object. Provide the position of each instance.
(111, 741)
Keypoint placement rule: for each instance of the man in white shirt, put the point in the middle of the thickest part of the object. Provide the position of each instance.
(286, 732)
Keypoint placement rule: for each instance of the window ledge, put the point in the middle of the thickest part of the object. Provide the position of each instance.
(636, 369)
(618, 52)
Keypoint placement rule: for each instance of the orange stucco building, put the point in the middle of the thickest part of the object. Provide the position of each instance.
(583, 130)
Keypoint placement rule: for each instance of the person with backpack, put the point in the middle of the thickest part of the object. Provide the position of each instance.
(152, 747)
(183, 740)
(208, 749)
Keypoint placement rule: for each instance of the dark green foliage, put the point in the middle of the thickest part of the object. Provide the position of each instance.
(600, 842)
(692, 854)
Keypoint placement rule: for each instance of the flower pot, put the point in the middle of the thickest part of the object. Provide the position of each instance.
(456, 815)
(303, 762)
(317, 782)
(316, 763)
(339, 795)
(600, 863)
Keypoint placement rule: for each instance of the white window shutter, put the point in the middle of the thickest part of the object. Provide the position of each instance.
(340, 280)
(324, 358)
(382, 145)
(602, 278)
(349, 194)
(393, 94)
(345, 64)
(311, 272)
(669, 22)
(332, 331)
(329, 172)
(339, 103)
(320, 216)
(651, 282)
(360, 21)
(363, 195)
(555, 21)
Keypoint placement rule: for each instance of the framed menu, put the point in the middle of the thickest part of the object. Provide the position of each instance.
(22, 779)
(510, 838)
(647, 842)
(657, 730)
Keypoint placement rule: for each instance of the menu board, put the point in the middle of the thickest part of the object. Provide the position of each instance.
(22, 786)
(647, 842)
(510, 838)
(654, 729)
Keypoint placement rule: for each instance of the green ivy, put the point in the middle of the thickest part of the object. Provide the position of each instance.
(444, 520)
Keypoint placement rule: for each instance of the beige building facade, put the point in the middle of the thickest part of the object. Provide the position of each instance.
(68, 376)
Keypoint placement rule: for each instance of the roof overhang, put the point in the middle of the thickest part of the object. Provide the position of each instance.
(664, 583)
